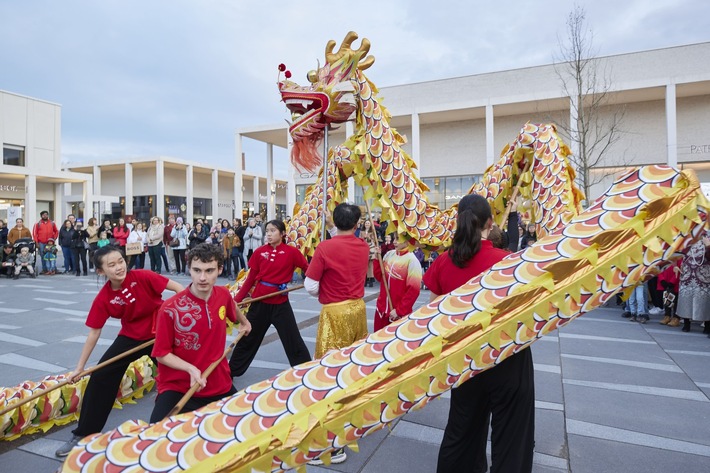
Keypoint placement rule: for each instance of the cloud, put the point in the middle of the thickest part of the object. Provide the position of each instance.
(176, 78)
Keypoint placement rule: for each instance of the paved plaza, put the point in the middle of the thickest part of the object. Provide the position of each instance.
(612, 395)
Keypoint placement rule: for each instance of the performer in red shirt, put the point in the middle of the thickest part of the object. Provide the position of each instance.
(133, 297)
(403, 273)
(336, 276)
(507, 391)
(271, 267)
(191, 335)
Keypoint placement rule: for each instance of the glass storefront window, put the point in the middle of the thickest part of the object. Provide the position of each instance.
(447, 191)
(247, 211)
(13, 155)
(143, 208)
(175, 206)
(202, 208)
(281, 212)
(301, 193)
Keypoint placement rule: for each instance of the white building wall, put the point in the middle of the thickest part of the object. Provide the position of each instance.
(202, 185)
(144, 180)
(113, 183)
(226, 197)
(693, 114)
(175, 181)
(454, 148)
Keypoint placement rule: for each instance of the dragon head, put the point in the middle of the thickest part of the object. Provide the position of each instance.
(329, 99)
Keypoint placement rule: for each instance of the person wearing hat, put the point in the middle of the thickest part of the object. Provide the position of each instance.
(42, 232)
(49, 257)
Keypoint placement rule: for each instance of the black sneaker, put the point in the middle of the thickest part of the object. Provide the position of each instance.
(643, 318)
(338, 456)
(64, 450)
(626, 315)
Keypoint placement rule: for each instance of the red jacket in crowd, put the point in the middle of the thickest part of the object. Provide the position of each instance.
(44, 230)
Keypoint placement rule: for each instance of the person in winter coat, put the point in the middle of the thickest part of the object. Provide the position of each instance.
(18, 231)
(155, 244)
(120, 233)
(196, 236)
(253, 237)
(180, 233)
(66, 234)
(79, 246)
(42, 232)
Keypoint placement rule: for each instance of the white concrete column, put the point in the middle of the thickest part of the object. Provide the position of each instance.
(128, 207)
(160, 189)
(237, 189)
(238, 177)
(291, 184)
(490, 136)
(30, 214)
(66, 188)
(256, 194)
(88, 199)
(573, 144)
(189, 187)
(97, 179)
(671, 125)
(215, 196)
(350, 131)
(59, 212)
(416, 142)
(270, 183)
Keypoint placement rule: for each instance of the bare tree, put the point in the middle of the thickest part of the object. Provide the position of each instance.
(595, 122)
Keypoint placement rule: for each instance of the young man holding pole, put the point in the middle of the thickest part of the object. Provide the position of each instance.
(191, 334)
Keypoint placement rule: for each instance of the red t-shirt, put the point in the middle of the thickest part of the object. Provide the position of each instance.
(340, 265)
(274, 266)
(443, 276)
(194, 330)
(135, 304)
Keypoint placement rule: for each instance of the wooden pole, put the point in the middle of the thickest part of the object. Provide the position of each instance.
(193, 389)
(257, 299)
(80, 375)
(504, 222)
(379, 254)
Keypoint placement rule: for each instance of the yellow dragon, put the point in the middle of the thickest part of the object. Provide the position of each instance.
(644, 220)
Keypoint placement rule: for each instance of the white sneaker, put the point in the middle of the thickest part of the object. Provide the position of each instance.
(656, 311)
(338, 456)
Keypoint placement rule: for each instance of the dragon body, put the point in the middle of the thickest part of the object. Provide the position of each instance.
(582, 259)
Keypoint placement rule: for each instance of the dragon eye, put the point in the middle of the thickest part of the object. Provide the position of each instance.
(312, 76)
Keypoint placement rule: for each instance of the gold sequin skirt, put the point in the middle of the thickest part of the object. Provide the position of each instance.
(340, 324)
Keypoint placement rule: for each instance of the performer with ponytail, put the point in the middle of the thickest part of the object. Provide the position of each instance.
(504, 394)
(270, 269)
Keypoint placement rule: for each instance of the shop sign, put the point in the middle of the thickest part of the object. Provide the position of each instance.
(11, 188)
(699, 149)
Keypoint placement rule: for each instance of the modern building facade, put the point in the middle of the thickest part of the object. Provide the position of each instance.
(163, 186)
(31, 176)
(456, 127)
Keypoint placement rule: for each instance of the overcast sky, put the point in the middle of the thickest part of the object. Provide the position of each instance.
(177, 78)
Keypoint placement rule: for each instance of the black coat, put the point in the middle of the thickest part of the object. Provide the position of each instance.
(65, 236)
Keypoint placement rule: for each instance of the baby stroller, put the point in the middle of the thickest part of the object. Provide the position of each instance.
(30, 245)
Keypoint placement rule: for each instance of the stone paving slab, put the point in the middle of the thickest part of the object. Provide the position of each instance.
(611, 395)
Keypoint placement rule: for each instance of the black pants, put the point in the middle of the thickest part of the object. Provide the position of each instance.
(655, 293)
(80, 256)
(155, 253)
(505, 395)
(165, 401)
(103, 385)
(136, 261)
(261, 316)
(179, 255)
(238, 262)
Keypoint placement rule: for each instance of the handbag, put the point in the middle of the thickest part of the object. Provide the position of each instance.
(174, 242)
(135, 248)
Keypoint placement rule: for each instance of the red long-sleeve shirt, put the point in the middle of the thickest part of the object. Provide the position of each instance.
(274, 266)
